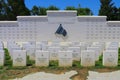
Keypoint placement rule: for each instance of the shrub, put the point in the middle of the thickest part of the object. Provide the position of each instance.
(76, 64)
(53, 64)
(30, 62)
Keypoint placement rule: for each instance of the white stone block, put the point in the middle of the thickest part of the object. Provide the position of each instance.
(65, 58)
(110, 58)
(54, 53)
(88, 58)
(76, 53)
(101, 47)
(2, 57)
(41, 58)
(19, 57)
(97, 52)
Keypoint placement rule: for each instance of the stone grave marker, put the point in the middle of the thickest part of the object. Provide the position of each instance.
(65, 58)
(19, 57)
(42, 58)
(54, 53)
(110, 58)
(97, 52)
(76, 53)
(88, 58)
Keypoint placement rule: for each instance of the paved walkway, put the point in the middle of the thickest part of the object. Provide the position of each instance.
(104, 76)
(48, 76)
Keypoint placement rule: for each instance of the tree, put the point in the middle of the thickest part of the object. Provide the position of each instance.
(38, 10)
(10, 9)
(118, 13)
(84, 11)
(80, 11)
(107, 9)
(35, 10)
(3, 8)
(43, 11)
(70, 8)
(52, 8)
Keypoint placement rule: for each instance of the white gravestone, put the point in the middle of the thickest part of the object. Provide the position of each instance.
(42, 58)
(97, 52)
(76, 53)
(110, 58)
(101, 48)
(65, 58)
(88, 58)
(2, 57)
(19, 57)
(11, 50)
(54, 53)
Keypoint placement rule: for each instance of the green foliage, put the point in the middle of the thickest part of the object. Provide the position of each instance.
(1, 67)
(119, 57)
(9, 9)
(19, 68)
(108, 9)
(80, 11)
(52, 7)
(53, 64)
(98, 64)
(70, 8)
(8, 61)
(30, 62)
(76, 64)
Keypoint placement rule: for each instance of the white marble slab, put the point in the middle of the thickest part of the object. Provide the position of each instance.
(76, 53)
(19, 57)
(110, 58)
(65, 58)
(42, 58)
(88, 58)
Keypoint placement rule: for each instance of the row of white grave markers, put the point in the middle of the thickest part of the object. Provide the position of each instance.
(2, 54)
(65, 54)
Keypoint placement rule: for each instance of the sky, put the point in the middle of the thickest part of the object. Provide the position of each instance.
(94, 5)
